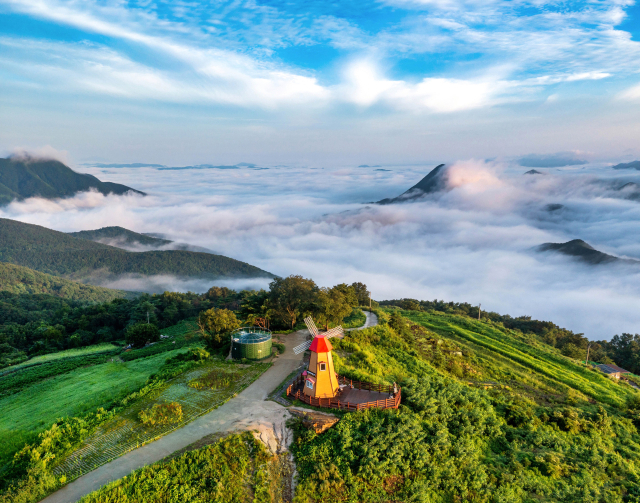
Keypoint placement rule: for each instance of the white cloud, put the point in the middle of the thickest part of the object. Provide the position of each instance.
(631, 94)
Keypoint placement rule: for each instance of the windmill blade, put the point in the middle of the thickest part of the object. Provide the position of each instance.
(301, 348)
(311, 325)
(334, 332)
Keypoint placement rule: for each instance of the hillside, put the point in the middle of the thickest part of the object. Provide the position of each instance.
(435, 181)
(134, 241)
(120, 237)
(25, 177)
(583, 251)
(59, 254)
(628, 165)
(21, 280)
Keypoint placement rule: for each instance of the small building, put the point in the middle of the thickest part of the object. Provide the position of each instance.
(320, 377)
(251, 343)
(612, 370)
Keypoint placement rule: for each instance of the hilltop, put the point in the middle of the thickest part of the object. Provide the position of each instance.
(134, 241)
(20, 280)
(584, 251)
(628, 165)
(435, 181)
(21, 178)
(59, 254)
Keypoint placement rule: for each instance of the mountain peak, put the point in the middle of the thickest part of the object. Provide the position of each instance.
(434, 181)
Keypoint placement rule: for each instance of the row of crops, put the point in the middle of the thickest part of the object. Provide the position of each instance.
(217, 382)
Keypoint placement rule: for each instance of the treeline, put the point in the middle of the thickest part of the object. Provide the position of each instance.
(623, 350)
(39, 324)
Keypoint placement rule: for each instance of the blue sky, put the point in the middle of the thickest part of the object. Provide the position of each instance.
(319, 81)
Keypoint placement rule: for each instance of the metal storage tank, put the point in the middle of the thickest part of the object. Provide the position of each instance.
(251, 343)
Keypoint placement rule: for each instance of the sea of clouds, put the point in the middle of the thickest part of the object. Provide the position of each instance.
(471, 243)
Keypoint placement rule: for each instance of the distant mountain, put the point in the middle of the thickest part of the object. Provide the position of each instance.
(120, 237)
(583, 251)
(533, 172)
(21, 280)
(628, 165)
(25, 177)
(435, 181)
(59, 254)
(134, 241)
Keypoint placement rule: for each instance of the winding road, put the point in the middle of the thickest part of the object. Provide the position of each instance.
(249, 410)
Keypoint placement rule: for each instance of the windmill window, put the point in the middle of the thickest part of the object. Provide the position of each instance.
(309, 384)
(323, 366)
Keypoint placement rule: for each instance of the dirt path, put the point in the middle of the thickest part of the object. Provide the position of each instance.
(247, 411)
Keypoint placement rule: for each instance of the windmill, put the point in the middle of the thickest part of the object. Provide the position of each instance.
(333, 332)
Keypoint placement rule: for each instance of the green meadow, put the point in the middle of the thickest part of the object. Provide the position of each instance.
(69, 353)
(75, 393)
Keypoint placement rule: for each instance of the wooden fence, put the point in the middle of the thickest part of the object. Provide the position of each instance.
(295, 390)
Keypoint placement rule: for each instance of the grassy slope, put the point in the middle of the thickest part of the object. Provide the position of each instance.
(68, 353)
(487, 415)
(72, 394)
(22, 280)
(20, 178)
(522, 361)
(57, 253)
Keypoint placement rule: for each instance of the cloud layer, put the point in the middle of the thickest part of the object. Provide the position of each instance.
(471, 243)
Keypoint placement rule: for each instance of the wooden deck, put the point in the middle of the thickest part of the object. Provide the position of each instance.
(354, 395)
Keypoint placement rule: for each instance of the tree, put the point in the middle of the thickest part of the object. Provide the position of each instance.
(216, 325)
(141, 333)
(290, 297)
(362, 294)
(350, 294)
(332, 306)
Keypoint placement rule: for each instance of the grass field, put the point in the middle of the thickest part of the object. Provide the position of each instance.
(28, 412)
(356, 319)
(69, 353)
(523, 362)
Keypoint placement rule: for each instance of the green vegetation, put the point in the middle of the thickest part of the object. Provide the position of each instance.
(26, 177)
(22, 280)
(141, 334)
(121, 236)
(104, 347)
(161, 413)
(69, 394)
(60, 254)
(216, 325)
(623, 349)
(488, 414)
(235, 469)
(356, 319)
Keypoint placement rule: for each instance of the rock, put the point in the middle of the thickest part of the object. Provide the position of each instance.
(311, 419)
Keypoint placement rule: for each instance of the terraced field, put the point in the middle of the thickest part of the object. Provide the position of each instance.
(125, 432)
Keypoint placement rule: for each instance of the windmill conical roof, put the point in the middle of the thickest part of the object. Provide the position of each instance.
(320, 344)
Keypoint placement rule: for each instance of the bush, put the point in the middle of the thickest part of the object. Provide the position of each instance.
(142, 333)
(161, 413)
(280, 348)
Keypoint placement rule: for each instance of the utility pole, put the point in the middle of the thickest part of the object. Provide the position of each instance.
(479, 306)
(147, 317)
(369, 303)
(588, 348)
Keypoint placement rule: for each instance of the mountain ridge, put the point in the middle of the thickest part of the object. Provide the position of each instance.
(434, 181)
(59, 254)
(21, 178)
(584, 252)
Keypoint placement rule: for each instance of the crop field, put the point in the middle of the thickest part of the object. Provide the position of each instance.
(69, 353)
(125, 432)
(181, 335)
(71, 394)
(519, 360)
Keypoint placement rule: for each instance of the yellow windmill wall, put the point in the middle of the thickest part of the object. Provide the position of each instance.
(326, 381)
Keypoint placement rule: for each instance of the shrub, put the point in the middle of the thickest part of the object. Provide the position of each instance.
(161, 413)
(279, 347)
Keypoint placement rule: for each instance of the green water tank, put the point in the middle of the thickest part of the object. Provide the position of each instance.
(251, 343)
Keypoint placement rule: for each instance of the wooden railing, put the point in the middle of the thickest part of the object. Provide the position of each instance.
(295, 390)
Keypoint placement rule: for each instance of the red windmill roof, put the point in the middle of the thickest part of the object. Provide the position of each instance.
(320, 344)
